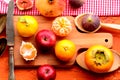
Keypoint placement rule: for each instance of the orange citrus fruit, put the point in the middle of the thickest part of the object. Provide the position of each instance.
(65, 50)
(26, 26)
(61, 26)
(28, 51)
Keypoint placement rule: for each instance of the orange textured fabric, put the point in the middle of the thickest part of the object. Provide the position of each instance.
(74, 73)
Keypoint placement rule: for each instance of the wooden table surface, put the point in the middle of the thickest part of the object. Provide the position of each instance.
(73, 73)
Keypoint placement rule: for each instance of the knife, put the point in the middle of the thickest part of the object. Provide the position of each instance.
(10, 38)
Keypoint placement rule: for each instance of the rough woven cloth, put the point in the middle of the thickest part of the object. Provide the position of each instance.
(99, 7)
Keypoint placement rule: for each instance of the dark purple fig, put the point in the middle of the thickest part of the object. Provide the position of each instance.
(76, 3)
(90, 22)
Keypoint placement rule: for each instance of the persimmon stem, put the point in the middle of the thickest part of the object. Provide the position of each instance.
(50, 1)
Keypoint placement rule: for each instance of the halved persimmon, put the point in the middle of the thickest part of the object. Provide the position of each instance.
(28, 51)
(99, 58)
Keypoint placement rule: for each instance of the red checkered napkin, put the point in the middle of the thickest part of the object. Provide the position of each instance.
(99, 7)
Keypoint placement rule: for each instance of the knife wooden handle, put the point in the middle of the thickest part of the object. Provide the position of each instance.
(11, 64)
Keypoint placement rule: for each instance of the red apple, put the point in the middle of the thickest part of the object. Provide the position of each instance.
(46, 72)
(45, 39)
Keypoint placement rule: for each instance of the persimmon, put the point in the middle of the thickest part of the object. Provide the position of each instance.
(50, 8)
(99, 58)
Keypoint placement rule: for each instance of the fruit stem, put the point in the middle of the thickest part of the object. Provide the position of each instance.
(89, 19)
(45, 38)
(100, 58)
(50, 1)
(65, 48)
(47, 71)
(23, 20)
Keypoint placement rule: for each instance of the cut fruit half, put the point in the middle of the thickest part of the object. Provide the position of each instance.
(28, 51)
(24, 4)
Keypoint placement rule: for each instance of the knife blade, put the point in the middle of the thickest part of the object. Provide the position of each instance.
(10, 38)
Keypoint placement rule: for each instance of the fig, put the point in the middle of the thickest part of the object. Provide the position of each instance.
(24, 4)
(76, 3)
(90, 22)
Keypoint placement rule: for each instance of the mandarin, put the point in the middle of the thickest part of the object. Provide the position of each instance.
(65, 50)
(26, 26)
(28, 51)
(61, 26)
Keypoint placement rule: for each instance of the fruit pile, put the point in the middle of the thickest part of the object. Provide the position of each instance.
(97, 58)
(45, 39)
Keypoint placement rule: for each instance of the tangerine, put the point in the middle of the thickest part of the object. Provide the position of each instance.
(65, 50)
(27, 26)
(61, 26)
(28, 51)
